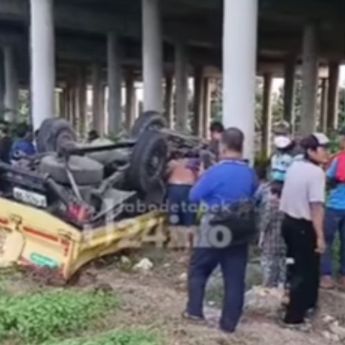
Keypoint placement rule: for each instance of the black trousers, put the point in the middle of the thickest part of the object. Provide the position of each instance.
(304, 273)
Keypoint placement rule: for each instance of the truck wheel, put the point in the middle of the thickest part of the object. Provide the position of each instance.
(85, 171)
(146, 121)
(148, 161)
(52, 133)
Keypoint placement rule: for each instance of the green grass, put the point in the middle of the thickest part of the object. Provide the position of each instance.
(39, 317)
(113, 338)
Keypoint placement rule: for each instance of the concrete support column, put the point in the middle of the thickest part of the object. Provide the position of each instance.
(266, 126)
(42, 61)
(289, 91)
(198, 101)
(324, 105)
(74, 104)
(11, 84)
(66, 106)
(168, 100)
(97, 99)
(181, 75)
(130, 100)
(152, 55)
(62, 106)
(239, 68)
(2, 83)
(310, 80)
(333, 96)
(207, 107)
(82, 99)
(114, 84)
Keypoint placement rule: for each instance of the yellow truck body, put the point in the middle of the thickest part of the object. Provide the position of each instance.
(33, 237)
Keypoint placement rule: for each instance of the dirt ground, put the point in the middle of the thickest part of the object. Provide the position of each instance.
(155, 299)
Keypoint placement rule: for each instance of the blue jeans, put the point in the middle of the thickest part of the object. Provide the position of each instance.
(334, 222)
(233, 263)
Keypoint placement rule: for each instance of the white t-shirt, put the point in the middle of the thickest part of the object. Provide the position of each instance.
(305, 183)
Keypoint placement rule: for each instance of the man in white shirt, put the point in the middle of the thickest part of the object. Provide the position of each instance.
(302, 202)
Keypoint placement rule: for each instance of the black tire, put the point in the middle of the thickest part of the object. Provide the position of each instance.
(85, 171)
(53, 133)
(146, 121)
(148, 161)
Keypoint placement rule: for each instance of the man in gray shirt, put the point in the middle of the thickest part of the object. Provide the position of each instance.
(302, 203)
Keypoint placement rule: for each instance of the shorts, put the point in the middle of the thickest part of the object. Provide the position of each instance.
(181, 211)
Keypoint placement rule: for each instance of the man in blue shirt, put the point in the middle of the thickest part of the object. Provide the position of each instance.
(227, 183)
(23, 146)
(334, 222)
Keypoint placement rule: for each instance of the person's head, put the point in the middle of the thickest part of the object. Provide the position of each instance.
(281, 128)
(342, 139)
(315, 148)
(231, 144)
(216, 130)
(25, 132)
(93, 135)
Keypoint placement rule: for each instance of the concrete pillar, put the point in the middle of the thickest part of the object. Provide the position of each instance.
(289, 90)
(198, 101)
(239, 68)
(207, 107)
(266, 126)
(74, 104)
(181, 75)
(81, 99)
(69, 104)
(324, 105)
(97, 99)
(333, 96)
(168, 101)
(309, 79)
(130, 99)
(2, 83)
(114, 84)
(152, 55)
(66, 106)
(42, 60)
(11, 84)
(62, 106)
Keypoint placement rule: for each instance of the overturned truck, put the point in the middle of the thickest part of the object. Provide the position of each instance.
(72, 203)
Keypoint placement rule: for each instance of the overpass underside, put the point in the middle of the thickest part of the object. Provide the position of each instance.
(63, 51)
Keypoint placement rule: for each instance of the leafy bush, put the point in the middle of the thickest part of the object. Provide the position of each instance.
(113, 338)
(40, 317)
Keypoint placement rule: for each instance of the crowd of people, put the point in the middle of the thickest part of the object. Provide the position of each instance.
(299, 202)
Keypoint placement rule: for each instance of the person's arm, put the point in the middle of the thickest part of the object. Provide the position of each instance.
(316, 195)
(332, 173)
(207, 183)
(317, 215)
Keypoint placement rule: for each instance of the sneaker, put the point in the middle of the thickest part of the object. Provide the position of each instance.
(327, 283)
(304, 327)
(193, 318)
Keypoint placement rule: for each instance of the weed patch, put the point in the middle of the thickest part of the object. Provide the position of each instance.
(113, 338)
(44, 316)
